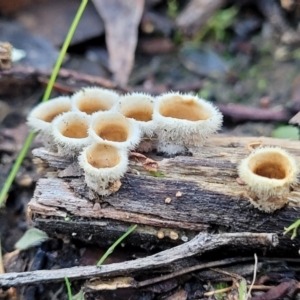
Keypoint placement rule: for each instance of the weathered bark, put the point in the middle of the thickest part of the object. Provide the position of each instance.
(212, 199)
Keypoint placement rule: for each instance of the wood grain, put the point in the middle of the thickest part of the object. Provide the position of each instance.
(212, 199)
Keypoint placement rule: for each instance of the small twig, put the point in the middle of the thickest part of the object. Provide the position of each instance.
(224, 290)
(232, 275)
(253, 287)
(201, 243)
(240, 112)
(218, 263)
(63, 74)
(254, 277)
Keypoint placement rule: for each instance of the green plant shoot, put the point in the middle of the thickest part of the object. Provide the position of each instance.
(30, 137)
(115, 244)
(293, 228)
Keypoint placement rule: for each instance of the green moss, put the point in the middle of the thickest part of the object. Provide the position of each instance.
(158, 174)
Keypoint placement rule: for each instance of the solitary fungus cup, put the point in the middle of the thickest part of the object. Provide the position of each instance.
(70, 132)
(269, 173)
(92, 99)
(139, 108)
(184, 121)
(103, 166)
(41, 117)
(115, 129)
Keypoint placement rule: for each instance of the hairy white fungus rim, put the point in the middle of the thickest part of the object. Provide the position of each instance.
(93, 99)
(41, 117)
(138, 107)
(115, 129)
(104, 161)
(268, 169)
(185, 119)
(70, 130)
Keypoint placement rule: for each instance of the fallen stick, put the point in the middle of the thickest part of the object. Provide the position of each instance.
(244, 113)
(201, 243)
(22, 72)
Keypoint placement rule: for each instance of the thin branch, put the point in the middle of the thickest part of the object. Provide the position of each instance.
(213, 264)
(63, 74)
(200, 244)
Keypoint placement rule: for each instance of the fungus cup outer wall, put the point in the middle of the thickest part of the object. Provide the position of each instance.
(173, 125)
(138, 107)
(40, 118)
(269, 194)
(103, 164)
(103, 124)
(70, 132)
(93, 99)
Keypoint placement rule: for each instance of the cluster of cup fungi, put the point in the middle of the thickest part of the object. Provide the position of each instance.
(99, 128)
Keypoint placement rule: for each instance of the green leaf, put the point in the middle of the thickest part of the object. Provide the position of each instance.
(220, 286)
(32, 237)
(79, 295)
(286, 132)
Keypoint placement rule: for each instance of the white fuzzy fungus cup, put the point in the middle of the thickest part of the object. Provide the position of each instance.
(184, 121)
(70, 132)
(92, 99)
(41, 117)
(115, 129)
(269, 173)
(139, 107)
(103, 166)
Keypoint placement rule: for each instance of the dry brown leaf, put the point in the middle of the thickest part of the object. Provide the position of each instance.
(148, 163)
(295, 119)
(196, 14)
(121, 21)
(138, 156)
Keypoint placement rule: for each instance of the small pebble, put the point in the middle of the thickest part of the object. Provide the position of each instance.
(178, 194)
(160, 234)
(184, 238)
(173, 235)
(168, 200)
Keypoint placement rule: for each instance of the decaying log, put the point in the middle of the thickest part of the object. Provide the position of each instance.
(200, 244)
(212, 200)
